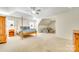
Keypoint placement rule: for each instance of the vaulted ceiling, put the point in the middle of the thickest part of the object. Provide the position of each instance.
(28, 11)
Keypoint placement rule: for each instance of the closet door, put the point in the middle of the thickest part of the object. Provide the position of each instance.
(2, 29)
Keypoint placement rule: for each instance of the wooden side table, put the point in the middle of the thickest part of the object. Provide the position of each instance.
(11, 32)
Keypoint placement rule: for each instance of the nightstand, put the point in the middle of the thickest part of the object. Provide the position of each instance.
(11, 32)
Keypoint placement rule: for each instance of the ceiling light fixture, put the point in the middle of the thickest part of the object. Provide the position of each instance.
(35, 10)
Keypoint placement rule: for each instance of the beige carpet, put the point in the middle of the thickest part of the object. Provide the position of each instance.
(39, 43)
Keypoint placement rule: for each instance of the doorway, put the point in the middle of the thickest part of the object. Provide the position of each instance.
(47, 26)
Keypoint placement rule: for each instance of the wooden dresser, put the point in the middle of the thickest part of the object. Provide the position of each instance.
(2, 29)
(76, 40)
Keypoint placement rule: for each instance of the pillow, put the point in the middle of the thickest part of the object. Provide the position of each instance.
(24, 27)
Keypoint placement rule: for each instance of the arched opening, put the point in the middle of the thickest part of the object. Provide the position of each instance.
(47, 25)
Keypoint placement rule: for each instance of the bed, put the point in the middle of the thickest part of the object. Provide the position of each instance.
(26, 31)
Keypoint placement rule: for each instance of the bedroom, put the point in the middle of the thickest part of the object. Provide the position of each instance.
(44, 29)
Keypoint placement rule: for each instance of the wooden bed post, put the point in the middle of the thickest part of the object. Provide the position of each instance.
(22, 26)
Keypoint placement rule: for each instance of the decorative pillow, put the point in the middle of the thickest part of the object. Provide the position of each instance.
(24, 27)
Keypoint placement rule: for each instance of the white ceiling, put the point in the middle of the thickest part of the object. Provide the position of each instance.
(27, 12)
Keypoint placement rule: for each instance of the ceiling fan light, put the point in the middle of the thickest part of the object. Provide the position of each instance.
(33, 12)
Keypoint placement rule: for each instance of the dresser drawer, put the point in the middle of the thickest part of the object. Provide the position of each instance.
(2, 38)
(76, 41)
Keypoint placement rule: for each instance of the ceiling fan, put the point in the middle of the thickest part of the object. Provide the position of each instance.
(35, 10)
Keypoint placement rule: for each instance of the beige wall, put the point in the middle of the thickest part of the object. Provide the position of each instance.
(66, 23)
